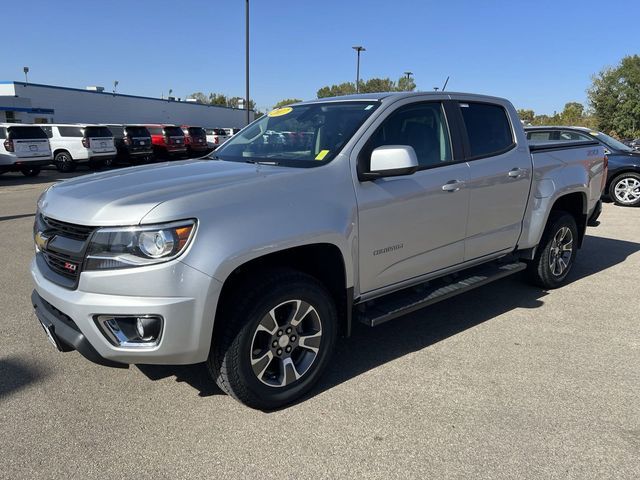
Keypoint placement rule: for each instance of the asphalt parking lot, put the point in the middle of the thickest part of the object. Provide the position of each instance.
(507, 381)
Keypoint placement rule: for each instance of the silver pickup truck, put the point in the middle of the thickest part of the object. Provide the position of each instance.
(254, 259)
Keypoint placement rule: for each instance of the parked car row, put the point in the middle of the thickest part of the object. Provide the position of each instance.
(27, 148)
(623, 179)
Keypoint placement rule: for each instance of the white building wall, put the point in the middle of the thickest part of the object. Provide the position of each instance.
(79, 106)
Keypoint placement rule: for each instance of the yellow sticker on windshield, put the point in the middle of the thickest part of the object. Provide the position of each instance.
(278, 112)
(322, 154)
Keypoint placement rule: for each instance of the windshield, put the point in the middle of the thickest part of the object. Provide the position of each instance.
(301, 136)
(611, 142)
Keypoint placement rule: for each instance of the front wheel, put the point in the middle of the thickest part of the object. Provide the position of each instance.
(625, 189)
(277, 338)
(556, 252)
(31, 171)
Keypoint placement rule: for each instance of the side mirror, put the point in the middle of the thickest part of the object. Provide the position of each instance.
(393, 161)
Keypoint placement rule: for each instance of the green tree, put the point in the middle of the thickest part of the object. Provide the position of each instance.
(286, 101)
(218, 99)
(405, 84)
(375, 85)
(200, 97)
(345, 88)
(526, 116)
(615, 97)
(573, 114)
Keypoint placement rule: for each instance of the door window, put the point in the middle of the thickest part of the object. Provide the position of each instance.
(422, 126)
(488, 129)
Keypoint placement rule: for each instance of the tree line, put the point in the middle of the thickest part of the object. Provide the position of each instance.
(614, 103)
(614, 100)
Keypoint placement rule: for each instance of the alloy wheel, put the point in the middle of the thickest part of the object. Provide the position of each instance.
(561, 251)
(627, 190)
(286, 343)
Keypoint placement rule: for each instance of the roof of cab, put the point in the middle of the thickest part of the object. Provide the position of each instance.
(393, 96)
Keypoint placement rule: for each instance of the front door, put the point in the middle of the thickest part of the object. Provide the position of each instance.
(415, 224)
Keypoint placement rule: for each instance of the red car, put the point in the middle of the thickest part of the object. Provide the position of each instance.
(196, 140)
(167, 140)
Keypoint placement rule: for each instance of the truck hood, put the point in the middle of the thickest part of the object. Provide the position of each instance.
(125, 196)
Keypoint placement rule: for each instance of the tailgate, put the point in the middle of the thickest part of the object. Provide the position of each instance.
(32, 148)
(102, 144)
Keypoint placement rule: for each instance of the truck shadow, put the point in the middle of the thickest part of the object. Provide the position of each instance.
(368, 348)
(16, 375)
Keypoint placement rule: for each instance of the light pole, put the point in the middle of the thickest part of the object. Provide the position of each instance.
(247, 61)
(358, 49)
(408, 74)
(26, 73)
(115, 86)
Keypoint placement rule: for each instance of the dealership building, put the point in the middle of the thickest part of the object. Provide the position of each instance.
(34, 103)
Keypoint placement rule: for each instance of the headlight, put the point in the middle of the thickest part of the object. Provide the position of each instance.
(126, 247)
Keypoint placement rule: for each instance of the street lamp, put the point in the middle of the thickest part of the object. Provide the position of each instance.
(26, 72)
(408, 74)
(115, 86)
(247, 60)
(358, 49)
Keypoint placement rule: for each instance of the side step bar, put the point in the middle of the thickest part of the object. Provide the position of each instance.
(400, 303)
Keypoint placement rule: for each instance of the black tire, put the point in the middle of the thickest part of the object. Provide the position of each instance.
(31, 171)
(237, 340)
(109, 162)
(629, 196)
(546, 270)
(64, 162)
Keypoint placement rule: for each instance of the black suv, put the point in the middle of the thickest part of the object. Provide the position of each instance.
(623, 179)
(133, 143)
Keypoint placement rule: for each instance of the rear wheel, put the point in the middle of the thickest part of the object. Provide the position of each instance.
(277, 338)
(64, 162)
(625, 189)
(31, 171)
(556, 252)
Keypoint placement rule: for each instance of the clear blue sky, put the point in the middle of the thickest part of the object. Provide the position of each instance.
(540, 54)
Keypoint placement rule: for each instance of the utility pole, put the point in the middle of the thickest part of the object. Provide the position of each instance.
(358, 49)
(247, 61)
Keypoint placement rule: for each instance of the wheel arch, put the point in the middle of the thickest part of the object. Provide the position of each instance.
(576, 204)
(323, 261)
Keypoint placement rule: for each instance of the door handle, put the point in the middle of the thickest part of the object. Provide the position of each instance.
(452, 185)
(516, 172)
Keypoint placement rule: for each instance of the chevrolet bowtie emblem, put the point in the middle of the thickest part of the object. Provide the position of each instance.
(41, 241)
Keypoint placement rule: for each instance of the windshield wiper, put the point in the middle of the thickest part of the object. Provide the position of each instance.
(262, 162)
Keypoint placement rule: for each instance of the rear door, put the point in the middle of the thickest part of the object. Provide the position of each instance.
(29, 141)
(100, 139)
(500, 178)
(415, 224)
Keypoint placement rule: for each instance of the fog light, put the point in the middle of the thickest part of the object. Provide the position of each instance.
(131, 330)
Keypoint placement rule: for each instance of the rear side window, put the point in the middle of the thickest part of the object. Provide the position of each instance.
(137, 132)
(488, 129)
(23, 133)
(539, 136)
(70, 131)
(93, 132)
(173, 132)
(573, 136)
(48, 131)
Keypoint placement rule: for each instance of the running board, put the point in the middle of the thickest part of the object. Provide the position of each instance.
(400, 303)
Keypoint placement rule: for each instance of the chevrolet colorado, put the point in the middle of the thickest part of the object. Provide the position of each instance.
(256, 258)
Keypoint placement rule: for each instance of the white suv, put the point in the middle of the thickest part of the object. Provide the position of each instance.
(72, 144)
(23, 148)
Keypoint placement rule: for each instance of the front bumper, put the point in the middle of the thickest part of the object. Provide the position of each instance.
(183, 296)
